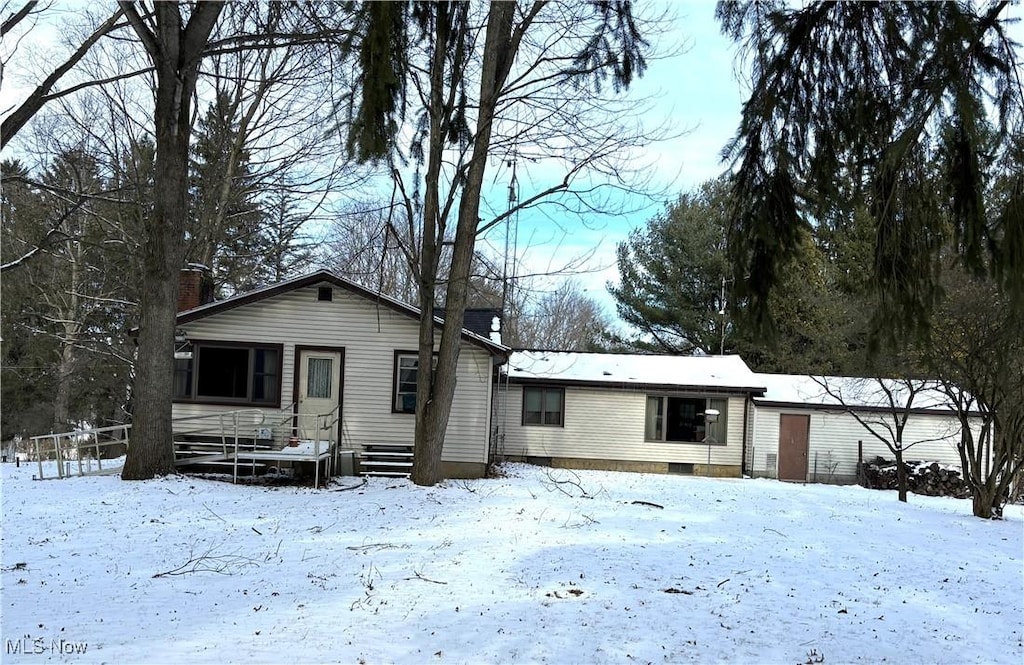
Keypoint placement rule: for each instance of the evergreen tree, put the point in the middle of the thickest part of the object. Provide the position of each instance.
(677, 285)
(283, 248)
(68, 307)
(674, 275)
(889, 96)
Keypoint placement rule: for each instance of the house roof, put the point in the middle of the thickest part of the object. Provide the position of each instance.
(840, 391)
(722, 373)
(321, 277)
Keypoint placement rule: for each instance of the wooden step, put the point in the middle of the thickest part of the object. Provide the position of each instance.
(386, 460)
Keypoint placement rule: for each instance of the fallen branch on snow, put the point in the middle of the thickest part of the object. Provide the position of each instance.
(417, 576)
(207, 562)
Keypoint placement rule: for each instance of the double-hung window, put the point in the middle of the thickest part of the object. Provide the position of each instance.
(682, 419)
(543, 406)
(407, 364)
(229, 373)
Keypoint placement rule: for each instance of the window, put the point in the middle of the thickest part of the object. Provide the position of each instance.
(325, 294)
(319, 372)
(682, 419)
(407, 369)
(543, 406)
(229, 373)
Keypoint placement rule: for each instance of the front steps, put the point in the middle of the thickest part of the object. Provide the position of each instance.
(388, 460)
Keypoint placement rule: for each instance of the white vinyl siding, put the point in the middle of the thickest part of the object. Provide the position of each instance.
(370, 336)
(609, 424)
(833, 441)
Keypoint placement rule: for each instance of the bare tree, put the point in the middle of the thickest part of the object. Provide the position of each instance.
(175, 42)
(175, 38)
(565, 319)
(371, 243)
(883, 407)
(45, 92)
(537, 70)
(976, 349)
(268, 113)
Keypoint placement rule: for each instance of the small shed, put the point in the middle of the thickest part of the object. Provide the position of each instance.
(812, 428)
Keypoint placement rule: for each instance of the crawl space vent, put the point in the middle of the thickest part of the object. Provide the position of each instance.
(772, 461)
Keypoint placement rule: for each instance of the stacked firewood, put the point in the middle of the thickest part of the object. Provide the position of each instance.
(928, 478)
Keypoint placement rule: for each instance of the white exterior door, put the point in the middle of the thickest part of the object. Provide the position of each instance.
(319, 392)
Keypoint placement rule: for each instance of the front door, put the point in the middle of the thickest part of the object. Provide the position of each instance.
(319, 388)
(793, 436)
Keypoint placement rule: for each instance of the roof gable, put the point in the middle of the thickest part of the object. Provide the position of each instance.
(320, 277)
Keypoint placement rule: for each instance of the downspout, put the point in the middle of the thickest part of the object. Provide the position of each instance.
(494, 394)
(746, 434)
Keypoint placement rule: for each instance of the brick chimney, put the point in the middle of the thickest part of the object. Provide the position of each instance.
(195, 286)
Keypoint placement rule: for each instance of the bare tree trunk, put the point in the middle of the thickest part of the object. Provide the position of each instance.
(434, 421)
(901, 476)
(62, 398)
(66, 365)
(431, 421)
(151, 451)
(175, 51)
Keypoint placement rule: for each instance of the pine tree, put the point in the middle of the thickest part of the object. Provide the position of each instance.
(893, 97)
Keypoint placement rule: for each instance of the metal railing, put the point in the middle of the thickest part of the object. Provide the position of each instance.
(81, 446)
(231, 428)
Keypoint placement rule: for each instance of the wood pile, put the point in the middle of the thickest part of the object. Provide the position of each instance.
(927, 478)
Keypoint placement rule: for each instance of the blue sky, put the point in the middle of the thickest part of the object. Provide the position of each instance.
(695, 91)
(697, 94)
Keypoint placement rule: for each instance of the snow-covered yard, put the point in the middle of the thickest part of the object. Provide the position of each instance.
(504, 570)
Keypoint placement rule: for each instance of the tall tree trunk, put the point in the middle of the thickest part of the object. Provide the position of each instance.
(433, 421)
(175, 50)
(62, 398)
(151, 451)
(426, 468)
(72, 326)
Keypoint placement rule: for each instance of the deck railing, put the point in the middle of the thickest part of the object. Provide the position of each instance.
(83, 447)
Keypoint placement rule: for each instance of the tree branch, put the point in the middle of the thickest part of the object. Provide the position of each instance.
(14, 122)
(17, 17)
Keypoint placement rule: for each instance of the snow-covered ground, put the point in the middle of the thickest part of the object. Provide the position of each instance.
(508, 570)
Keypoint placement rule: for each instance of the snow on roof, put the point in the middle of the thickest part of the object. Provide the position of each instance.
(851, 391)
(726, 372)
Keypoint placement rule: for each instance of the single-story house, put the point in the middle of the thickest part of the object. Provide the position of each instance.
(678, 414)
(322, 344)
(650, 413)
(802, 429)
